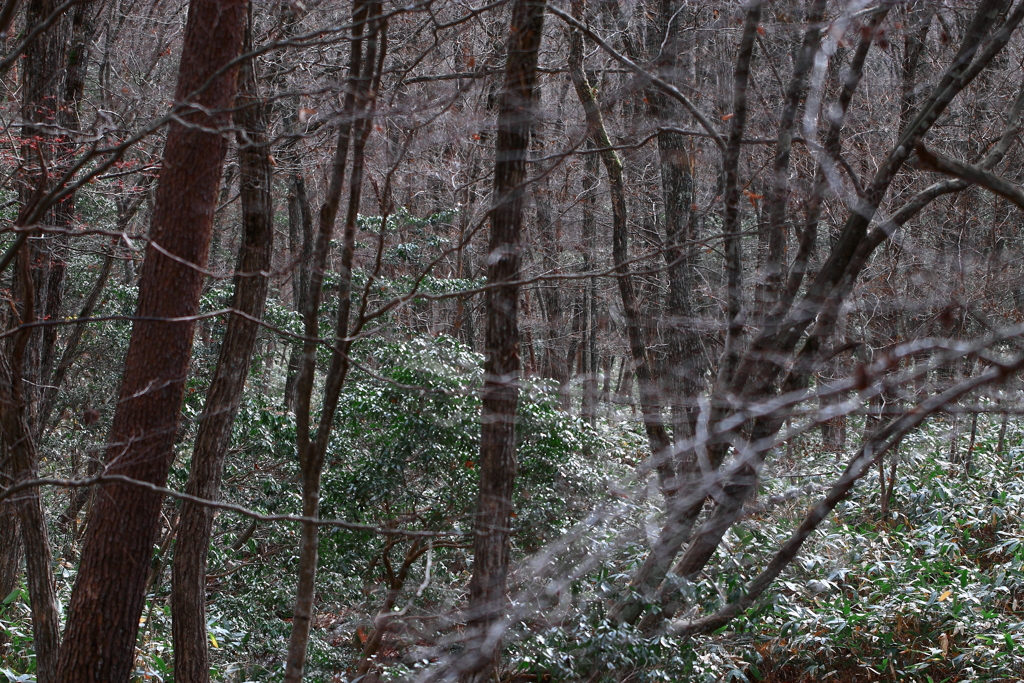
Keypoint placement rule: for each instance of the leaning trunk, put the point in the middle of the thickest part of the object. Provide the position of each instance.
(103, 617)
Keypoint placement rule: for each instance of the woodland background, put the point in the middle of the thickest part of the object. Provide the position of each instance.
(648, 340)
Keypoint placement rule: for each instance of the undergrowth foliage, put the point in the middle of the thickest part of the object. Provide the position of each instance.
(933, 591)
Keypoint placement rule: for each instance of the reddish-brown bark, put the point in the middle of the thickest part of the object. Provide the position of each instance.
(108, 598)
(188, 598)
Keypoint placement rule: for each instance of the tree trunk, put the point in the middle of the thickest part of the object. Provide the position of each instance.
(43, 109)
(364, 80)
(650, 406)
(501, 367)
(1001, 443)
(188, 597)
(103, 616)
(589, 360)
(21, 448)
(300, 244)
(10, 541)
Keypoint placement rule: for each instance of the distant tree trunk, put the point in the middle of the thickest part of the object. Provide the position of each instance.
(74, 35)
(833, 430)
(550, 293)
(1000, 445)
(300, 245)
(188, 596)
(103, 617)
(300, 215)
(685, 369)
(44, 107)
(589, 360)
(501, 367)
(969, 458)
(650, 406)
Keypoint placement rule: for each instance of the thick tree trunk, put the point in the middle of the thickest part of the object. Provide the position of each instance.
(501, 366)
(550, 295)
(188, 596)
(107, 601)
(10, 539)
(10, 531)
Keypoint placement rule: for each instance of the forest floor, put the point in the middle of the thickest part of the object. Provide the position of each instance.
(931, 589)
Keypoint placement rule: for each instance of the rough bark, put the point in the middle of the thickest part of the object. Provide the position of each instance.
(44, 107)
(103, 616)
(589, 360)
(501, 366)
(188, 596)
(300, 245)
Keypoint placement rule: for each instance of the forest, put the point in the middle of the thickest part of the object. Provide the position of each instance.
(511, 341)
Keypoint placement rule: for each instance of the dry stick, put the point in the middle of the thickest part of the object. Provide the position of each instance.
(859, 465)
(312, 456)
(971, 174)
(11, 491)
(71, 346)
